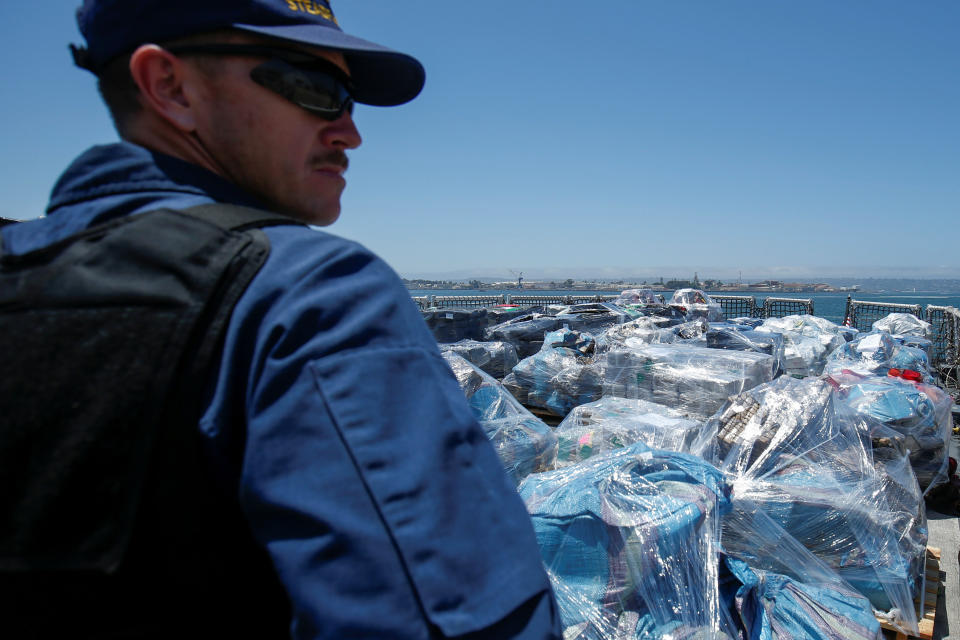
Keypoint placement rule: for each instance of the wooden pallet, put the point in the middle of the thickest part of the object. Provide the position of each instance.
(927, 610)
(550, 418)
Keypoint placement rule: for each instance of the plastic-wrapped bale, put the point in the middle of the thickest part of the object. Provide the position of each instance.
(524, 332)
(639, 298)
(919, 412)
(453, 325)
(904, 324)
(692, 379)
(613, 423)
(739, 338)
(652, 329)
(694, 303)
(793, 449)
(746, 323)
(524, 443)
(922, 344)
(494, 358)
(500, 313)
(692, 330)
(629, 539)
(562, 374)
(807, 342)
(772, 605)
(593, 317)
(876, 353)
(775, 588)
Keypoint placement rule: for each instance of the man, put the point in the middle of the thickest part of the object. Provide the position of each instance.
(329, 426)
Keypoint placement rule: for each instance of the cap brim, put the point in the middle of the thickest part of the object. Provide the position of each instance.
(381, 76)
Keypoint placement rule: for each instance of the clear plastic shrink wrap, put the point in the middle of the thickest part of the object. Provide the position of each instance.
(776, 588)
(904, 324)
(918, 413)
(494, 358)
(629, 539)
(638, 298)
(876, 353)
(524, 443)
(500, 313)
(795, 452)
(741, 338)
(453, 325)
(692, 379)
(807, 342)
(613, 423)
(653, 330)
(561, 375)
(694, 303)
(593, 317)
(524, 332)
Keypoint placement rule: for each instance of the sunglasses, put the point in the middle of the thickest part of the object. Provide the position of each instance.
(310, 82)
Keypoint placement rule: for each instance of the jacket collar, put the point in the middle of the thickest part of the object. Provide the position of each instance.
(127, 169)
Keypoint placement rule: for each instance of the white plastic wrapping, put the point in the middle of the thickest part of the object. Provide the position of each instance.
(692, 379)
(875, 353)
(904, 324)
(613, 423)
(653, 330)
(638, 297)
(694, 303)
(524, 443)
(807, 342)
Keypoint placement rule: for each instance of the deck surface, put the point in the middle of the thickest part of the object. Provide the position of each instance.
(945, 534)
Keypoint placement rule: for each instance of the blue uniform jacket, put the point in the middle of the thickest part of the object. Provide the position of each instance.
(349, 443)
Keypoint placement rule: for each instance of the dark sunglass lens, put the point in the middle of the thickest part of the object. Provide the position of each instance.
(312, 89)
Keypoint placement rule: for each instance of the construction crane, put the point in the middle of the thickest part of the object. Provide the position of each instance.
(519, 278)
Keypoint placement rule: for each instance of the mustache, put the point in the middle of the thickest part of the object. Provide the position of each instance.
(335, 157)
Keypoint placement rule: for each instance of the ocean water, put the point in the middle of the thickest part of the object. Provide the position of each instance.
(831, 306)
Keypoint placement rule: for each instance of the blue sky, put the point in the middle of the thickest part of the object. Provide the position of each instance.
(607, 138)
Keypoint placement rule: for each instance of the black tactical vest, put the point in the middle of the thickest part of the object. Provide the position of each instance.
(110, 525)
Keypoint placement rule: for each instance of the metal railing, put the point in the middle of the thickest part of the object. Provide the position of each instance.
(945, 359)
(738, 306)
(782, 307)
(861, 314)
(748, 307)
(733, 306)
(472, 302)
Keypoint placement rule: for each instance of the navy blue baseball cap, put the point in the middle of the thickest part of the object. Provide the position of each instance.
(111, 28)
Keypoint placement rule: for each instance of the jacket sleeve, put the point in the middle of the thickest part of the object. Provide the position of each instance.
(377, 495)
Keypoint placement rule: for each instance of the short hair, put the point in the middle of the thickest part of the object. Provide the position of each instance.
(122, 95)
(119, 92)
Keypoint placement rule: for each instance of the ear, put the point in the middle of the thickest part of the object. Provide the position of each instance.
(161, 77)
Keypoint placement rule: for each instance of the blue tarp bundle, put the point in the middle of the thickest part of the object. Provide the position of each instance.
(919, 412)
(772, 606)
(629, 540)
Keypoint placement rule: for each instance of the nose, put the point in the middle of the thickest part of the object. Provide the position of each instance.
(342, 133)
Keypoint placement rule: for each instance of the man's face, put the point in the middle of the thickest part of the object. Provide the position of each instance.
(287, 157)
